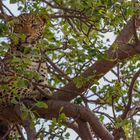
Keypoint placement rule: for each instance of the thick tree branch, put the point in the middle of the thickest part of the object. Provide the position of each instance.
(84, 129)
(72, 110)
(31, 132)
(53, 110)
(72, 125)
(100, 68)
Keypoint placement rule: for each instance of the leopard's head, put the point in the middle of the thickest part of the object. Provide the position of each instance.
(30, 25)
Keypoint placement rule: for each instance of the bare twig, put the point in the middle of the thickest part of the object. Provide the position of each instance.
(8, 9)
(107, 115)
(1, 8)
(127, 108)
(56, 68)
(134, 110)
(113, 108)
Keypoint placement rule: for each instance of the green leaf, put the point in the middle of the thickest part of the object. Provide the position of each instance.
(13, 1)
(62, 116)
(32, 124)
(79, 81)
(94, 88)
(102, 118)
(24, 114)
(22, 83)
(67, 135)
(78, 100)
(41, 104)
(54, 120)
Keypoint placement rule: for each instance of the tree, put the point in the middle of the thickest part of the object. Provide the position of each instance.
(94, 81)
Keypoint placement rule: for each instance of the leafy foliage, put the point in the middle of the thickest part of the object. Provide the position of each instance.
(76, 35)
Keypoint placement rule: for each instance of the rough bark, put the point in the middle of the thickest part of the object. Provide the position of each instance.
(85, 132)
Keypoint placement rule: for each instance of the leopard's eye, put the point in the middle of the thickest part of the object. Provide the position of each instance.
(18, 25)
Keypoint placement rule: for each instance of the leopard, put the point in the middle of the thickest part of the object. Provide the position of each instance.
(31, 26)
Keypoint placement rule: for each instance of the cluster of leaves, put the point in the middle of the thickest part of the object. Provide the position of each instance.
(57, 130)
